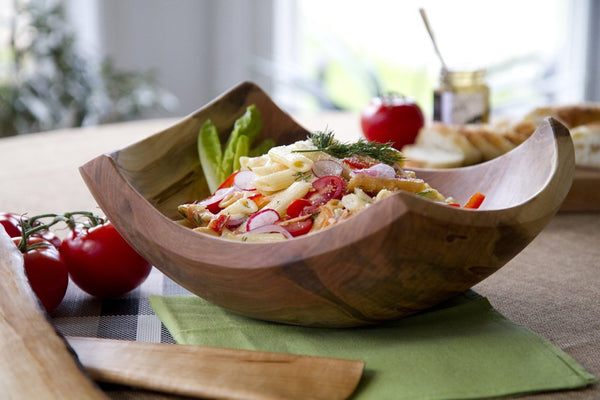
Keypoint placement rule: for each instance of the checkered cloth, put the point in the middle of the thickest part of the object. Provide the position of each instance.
(129, 317)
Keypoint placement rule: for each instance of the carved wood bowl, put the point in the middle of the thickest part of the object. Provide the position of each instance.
(401, 255)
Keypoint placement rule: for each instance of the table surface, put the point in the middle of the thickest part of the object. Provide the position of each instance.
(552, 287)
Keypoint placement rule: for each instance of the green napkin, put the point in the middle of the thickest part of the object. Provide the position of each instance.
(462, 350)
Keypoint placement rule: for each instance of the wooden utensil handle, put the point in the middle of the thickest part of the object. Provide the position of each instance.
(35, 362)
(217, 372)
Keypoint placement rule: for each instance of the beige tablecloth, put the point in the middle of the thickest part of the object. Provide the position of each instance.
(552, 287)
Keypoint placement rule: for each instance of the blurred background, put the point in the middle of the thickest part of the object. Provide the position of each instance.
(85, 62)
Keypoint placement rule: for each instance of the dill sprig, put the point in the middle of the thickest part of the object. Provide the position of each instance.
(325, 141)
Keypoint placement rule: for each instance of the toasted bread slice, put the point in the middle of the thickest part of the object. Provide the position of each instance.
(488, 139)
(586, 140)
(431, 157)
(448, 138)
(570, 115)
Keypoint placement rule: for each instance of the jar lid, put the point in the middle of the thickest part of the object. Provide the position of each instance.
(463, 78)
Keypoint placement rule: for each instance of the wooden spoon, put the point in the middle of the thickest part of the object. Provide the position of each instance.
(35, 362)
(217, 372)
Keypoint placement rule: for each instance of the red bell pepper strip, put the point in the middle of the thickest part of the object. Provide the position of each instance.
(475, 201)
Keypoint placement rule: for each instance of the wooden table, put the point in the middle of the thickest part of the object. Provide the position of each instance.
(552, 287)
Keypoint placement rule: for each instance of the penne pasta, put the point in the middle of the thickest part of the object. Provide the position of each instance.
(253, 162)
(286, 156)
(356, 201)
(241, 207)
(284, 193)
(269, 168)
(283, 199)
(275, 181)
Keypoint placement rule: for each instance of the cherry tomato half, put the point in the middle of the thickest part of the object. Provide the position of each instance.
(327, 188)
(102, 263)
(392, 118)
(46, 272)
(300, 207)
(298, 228)
(356, 162)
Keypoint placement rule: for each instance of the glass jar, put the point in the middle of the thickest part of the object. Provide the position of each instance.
(462, 97)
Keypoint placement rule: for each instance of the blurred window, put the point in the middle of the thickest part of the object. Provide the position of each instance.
(535, 52)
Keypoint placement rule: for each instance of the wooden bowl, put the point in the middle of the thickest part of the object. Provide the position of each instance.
(400, 256)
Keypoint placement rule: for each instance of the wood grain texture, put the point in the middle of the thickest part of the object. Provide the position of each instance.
(397, 257)
(217, 373)
(35, 362)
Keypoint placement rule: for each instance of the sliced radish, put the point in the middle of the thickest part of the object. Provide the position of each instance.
(326, 167)
(244, 180)
(213, 201)
(378, 170)
(264, 217)
(272, 229)
(235, 222)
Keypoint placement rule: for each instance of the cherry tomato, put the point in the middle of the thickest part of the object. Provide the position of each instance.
(326, 188)
(356, 162)
(392, 118)
(218, 222)
(297, 228)
(46, 271)
(212, 203)
(48, 236)
(102, 263)
(12, 225)
(299, 207)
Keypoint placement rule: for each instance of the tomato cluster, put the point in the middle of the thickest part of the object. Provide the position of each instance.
(93, 254)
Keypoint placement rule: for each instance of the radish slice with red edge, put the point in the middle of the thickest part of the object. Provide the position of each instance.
(235, 222)
(378, 170)
(219, 195)
(272, 228)
(326, 167)
(244, 180)
(266, 216)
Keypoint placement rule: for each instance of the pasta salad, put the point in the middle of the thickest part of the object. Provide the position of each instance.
(304, 187)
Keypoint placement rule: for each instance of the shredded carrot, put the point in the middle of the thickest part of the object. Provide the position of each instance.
(475, 201)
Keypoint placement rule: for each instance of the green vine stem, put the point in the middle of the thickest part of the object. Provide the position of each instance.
(72, 219)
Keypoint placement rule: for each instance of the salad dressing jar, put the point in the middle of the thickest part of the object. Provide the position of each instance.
(461, 98)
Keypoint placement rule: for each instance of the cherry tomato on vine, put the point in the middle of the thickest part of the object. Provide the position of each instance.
(46, 271)
(12, 225)
(392, 118)
(102, 263)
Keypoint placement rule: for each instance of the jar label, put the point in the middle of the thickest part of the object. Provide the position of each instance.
(460, 108)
